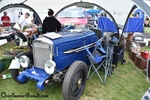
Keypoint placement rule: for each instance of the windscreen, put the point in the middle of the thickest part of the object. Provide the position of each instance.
(72, 13)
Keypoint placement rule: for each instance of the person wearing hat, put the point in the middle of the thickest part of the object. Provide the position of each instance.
(6, 21)
(50, 23)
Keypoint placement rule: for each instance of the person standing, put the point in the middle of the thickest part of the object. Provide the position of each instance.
(147, 22)
(6, 21)
(25, 25)
(50, 23)
(24, 21)
(20, 14)
(36, 20)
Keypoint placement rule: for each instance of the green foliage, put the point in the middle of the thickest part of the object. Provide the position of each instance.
(86, 6)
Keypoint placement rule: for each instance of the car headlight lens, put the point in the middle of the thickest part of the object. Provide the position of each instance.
(24, 61)
(50, 66)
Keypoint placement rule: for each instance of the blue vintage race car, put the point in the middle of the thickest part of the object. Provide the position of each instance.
(57, 57)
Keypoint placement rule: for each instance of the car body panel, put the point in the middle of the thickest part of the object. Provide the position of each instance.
(69, 41)
(36, 74)
(14, 64)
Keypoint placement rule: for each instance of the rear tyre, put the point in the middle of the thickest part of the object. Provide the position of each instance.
(15, 72)
(75, 81)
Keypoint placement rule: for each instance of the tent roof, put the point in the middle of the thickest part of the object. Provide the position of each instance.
(118, 9)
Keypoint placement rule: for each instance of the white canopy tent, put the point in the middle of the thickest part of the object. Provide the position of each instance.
(119, 9)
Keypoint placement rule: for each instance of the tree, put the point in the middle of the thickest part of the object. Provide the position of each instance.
(86, 6)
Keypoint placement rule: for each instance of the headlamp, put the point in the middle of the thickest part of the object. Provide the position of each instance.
(49, 66)
(24, 61)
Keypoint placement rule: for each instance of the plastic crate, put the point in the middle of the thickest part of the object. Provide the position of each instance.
(144, 54)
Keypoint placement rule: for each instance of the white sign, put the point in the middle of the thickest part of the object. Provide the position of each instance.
(52, 35)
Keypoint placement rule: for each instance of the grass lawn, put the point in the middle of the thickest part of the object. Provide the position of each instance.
(145, 49)
(127, 83)
(146, 29)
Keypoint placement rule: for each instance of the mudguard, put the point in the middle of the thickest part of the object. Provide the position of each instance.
(14, 64)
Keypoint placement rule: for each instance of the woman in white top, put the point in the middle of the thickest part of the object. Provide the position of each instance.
(24, 21)
(26, 25)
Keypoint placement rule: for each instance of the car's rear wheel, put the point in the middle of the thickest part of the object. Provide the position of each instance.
(15, 72)
(75, 81)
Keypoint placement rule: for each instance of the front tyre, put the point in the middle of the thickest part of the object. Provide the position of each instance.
(75, 81)
(15, 72)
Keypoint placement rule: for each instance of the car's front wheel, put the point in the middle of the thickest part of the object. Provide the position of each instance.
(75, 81)
(15, 72)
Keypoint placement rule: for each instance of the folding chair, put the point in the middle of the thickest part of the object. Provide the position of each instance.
(98, 32)
(98, 57)
(101, 57)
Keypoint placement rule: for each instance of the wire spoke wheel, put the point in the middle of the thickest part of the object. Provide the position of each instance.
(75, 81)
(78, 83)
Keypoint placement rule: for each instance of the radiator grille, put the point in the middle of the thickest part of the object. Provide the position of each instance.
(41, 53)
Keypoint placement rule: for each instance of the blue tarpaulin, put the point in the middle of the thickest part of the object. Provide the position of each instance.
(106, 25)
(93, 11)
(134, 25)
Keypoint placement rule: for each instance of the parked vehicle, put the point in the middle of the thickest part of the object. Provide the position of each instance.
(55, 60)
(76, 16)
